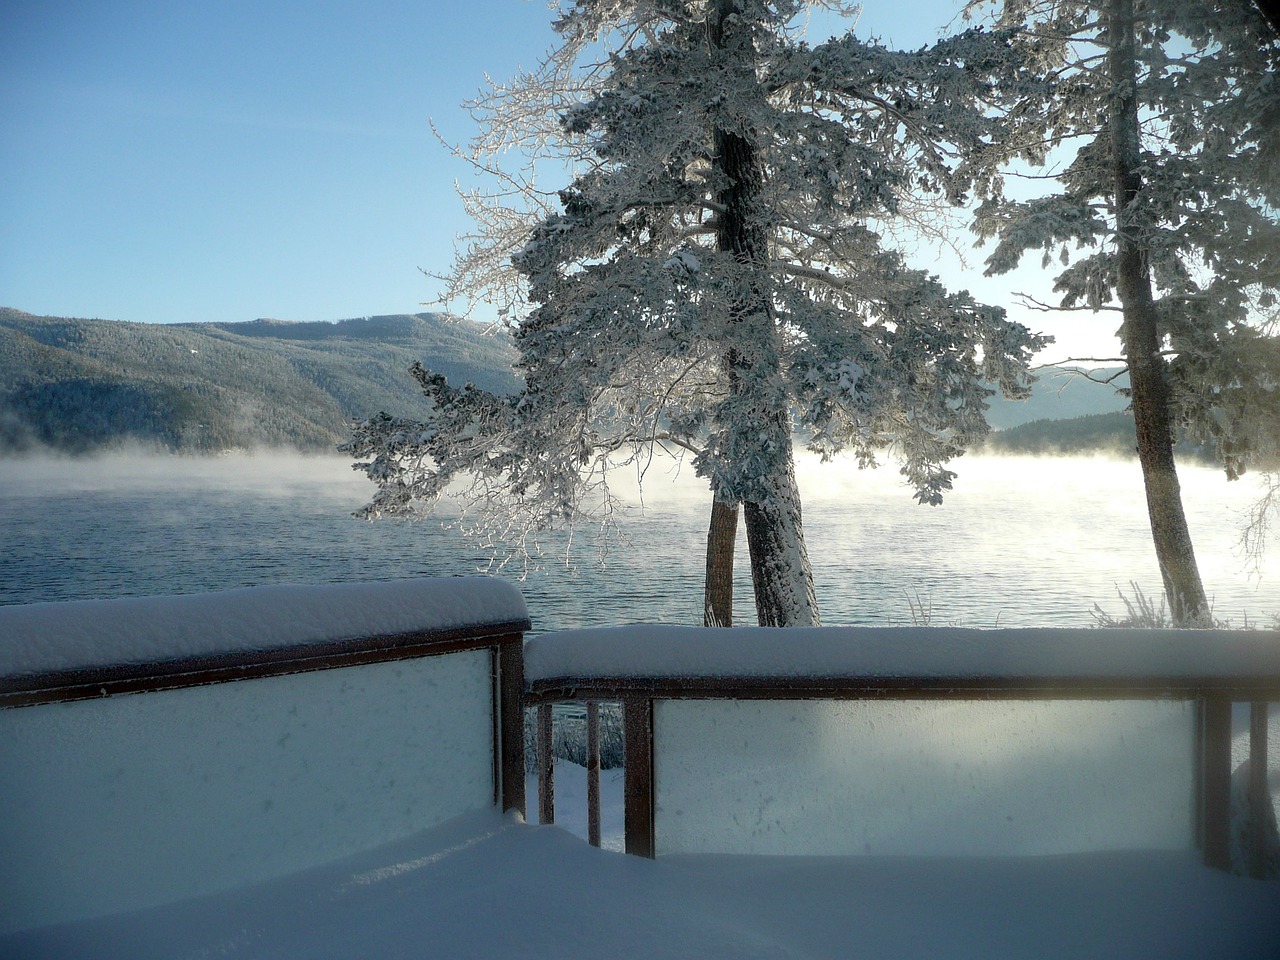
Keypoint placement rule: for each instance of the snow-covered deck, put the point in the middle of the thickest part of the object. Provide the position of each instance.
(483, 886)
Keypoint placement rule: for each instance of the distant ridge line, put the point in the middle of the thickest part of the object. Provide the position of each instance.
(78, 385)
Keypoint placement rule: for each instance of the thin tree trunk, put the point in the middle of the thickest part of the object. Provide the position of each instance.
(722, 536)
(1148, 378)
(780, 570)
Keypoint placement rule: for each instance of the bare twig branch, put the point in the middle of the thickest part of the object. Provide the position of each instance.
(1031, 303)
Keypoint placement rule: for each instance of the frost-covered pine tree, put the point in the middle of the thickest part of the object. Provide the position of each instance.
(714, 279)
(1165, 213)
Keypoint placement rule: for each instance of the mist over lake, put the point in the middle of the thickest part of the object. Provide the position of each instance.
(1019, 542)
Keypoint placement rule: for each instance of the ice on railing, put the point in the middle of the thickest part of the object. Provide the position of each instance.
(41, 637)
(662, 651)
(914, 778)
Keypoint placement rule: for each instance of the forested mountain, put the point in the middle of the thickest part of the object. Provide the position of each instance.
(1109, 433)
(82, 385)
(1061, 393)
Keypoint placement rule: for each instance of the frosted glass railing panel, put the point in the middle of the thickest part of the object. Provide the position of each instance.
(922, 777)
(137, 800)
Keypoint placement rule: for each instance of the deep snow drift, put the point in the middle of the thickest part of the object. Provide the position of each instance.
(485, 886)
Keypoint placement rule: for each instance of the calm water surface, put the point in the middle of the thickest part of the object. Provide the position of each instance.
(1020, 542)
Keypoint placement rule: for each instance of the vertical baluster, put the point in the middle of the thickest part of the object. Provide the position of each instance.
(546, 767)
(1216, 782)
(510, 702)
(1258, 793)
(637, 718)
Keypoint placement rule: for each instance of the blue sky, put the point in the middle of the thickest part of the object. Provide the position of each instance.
(179, 161)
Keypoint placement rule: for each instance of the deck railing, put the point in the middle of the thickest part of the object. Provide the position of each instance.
(1155, 746)
(276, 740)
(152, 750)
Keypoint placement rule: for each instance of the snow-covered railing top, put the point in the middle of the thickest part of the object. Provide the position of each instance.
(113, 643)
(1161, 662)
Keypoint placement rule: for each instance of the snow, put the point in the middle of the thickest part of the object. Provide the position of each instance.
(850, 373)
(663, 651)
(685, 260)
(487, 886)
(571, 803)
(40, 637)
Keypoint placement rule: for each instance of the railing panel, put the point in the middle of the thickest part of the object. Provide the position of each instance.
(130, 801)
(1009, 777)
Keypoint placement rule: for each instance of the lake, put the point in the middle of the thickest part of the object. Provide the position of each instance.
(1019, 542)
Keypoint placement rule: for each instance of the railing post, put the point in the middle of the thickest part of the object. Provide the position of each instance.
(510, 659)
(1215, 784)
(546, 767)
(1259, 795)
(593, 773)
(637, 718)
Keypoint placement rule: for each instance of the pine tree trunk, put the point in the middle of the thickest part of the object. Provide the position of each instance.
(722, 537)
(780, 570)
(1148, 377)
